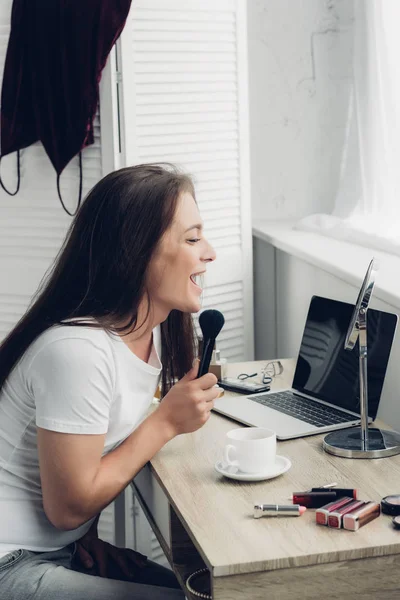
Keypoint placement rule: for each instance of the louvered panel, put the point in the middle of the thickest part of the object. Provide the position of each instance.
(233, 314)
(149, 132)
(184, 20)
(192, 118)
(211, 185)
(229, 242)
(228, 299)
(12, 307)
(163, 77)
(11, 300)
(214, 176)
(106, 524)
(38, 183)
(205, 160)
(150, 104)
(157, 555)
(157, 141)
(179, 68)
(234, 355)
(46, 216)
(231, 221)
(29, 232)
(222, 293)
(167, 30)
(38, 196)
(185, 108)
(219, 200)
(216, 166)
(222, 212)
(185, 118)
(185, 102)
(205, 87)
(38, 255)
(199, 150)
(187, 43)
(179, 51)
(184, 62)
(224, 238)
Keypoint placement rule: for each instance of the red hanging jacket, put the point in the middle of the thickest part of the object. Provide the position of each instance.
(56, 53)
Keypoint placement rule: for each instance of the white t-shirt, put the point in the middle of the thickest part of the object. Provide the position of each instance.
(71, 379)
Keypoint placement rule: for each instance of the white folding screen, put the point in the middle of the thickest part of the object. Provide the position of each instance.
(33, 223)
(184, 97)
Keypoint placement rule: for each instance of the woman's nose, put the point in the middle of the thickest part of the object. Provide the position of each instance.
(209, 254)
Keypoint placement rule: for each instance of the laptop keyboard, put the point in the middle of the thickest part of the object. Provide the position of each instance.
(303, 408)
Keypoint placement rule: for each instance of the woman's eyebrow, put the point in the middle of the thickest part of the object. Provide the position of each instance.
(197, 226)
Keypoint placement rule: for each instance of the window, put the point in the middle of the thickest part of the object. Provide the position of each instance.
(367, 207)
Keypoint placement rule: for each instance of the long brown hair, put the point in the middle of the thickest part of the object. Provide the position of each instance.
(100, 271)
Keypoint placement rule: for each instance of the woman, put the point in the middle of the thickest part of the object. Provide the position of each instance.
(77, 376)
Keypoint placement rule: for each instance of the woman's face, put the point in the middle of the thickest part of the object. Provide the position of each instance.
(173, 277)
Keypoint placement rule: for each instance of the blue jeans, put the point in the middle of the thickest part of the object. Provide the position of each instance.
(26, 575)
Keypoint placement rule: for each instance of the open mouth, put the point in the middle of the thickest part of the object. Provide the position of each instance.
(196, 278)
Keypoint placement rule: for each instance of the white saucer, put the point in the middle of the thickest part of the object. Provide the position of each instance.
(282, 464)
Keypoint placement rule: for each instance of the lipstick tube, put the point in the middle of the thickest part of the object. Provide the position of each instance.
(322, 513)
(335, 517)
(319, 497)
(278, 510)
(356, 519)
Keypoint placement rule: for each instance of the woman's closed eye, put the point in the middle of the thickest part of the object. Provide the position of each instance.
(193, 240)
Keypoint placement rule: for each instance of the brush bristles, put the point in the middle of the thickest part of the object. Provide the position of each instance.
(211, 322)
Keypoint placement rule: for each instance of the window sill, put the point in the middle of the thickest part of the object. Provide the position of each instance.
(346, 261)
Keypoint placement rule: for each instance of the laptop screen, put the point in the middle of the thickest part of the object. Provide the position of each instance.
(327, 371)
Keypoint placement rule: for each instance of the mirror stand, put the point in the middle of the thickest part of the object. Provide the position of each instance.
(363, 441)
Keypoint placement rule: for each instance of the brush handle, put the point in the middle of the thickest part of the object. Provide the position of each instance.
(208, 347)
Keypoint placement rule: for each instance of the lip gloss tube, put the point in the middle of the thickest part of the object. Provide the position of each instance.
(276, 510)
(356, 519)
(322, 513)
(335, 517)
(314, 499)
(318, 497)
(341, 492)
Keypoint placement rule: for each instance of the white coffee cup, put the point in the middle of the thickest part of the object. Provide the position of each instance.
(250, 449)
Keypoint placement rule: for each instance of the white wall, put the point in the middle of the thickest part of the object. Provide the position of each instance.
(299, 69)
(295, 283)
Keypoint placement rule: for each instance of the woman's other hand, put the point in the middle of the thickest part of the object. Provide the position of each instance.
(100, 558)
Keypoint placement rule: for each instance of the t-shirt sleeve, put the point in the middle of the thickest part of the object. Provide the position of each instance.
(71, 380)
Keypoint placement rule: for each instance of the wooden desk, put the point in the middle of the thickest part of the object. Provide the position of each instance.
(203, 519)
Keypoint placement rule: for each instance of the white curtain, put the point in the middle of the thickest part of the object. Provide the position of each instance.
(367, 207)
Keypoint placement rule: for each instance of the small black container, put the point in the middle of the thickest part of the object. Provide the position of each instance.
(391, 505)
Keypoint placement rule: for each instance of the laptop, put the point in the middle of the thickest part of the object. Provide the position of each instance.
(325, 393)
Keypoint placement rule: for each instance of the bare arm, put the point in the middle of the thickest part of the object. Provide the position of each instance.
(77, 482)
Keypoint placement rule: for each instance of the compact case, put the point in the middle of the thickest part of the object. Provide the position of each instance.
(391, 505)
(396, 522)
